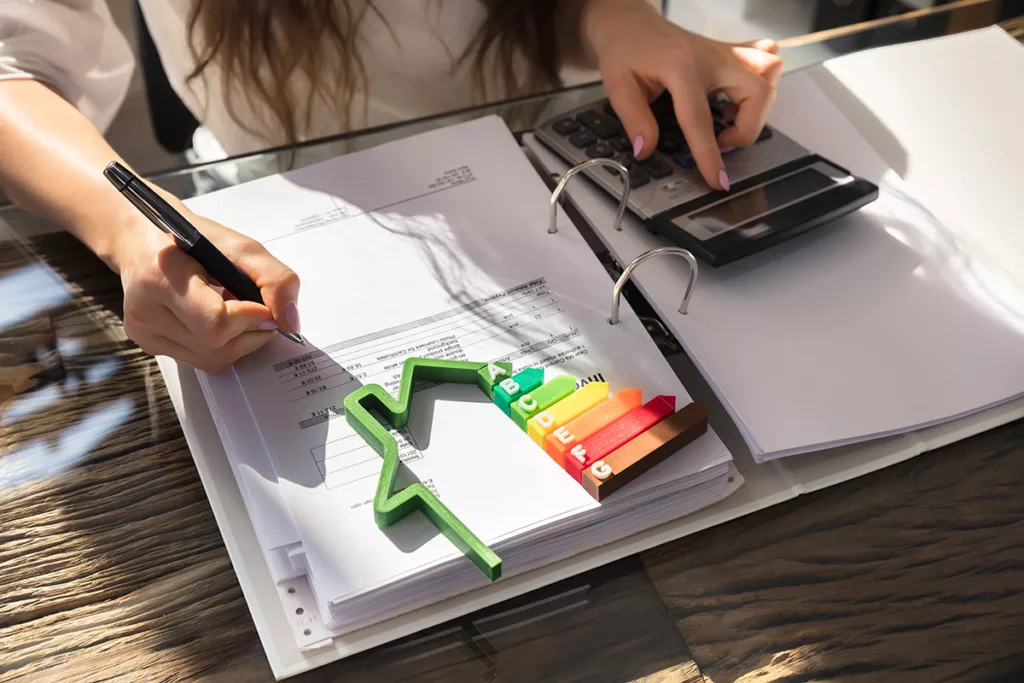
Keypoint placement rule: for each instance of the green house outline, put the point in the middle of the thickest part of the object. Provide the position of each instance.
(389, 506)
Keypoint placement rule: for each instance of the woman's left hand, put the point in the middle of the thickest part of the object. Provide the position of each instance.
(640, 54)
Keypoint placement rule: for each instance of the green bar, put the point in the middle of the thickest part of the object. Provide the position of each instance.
(526, 380)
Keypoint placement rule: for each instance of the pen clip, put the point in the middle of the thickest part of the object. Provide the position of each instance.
(152, 205)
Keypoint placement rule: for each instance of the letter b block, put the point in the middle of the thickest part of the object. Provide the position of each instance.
(512, 388)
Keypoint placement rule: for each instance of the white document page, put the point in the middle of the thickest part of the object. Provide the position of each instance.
(935, 130)
(873, 325)
(433, 246)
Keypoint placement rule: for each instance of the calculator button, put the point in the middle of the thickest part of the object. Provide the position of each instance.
(685, 161)
(663, 110)
(602, 150)
(657, 167)
(566, 126)
(602, 126)
(638, 176)
(670, 144)
(610, 110)
(583, 138)
(621, 144)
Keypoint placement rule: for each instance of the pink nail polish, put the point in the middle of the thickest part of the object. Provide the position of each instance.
(638, 145)
(726, 150)
(723, 180)
(268, 325)
(291, 314)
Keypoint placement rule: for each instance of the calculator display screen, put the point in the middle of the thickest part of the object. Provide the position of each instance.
(756, 202)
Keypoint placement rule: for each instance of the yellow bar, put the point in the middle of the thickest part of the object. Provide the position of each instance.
(569, 408)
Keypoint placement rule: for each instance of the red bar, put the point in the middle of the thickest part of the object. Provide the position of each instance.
(615, 435)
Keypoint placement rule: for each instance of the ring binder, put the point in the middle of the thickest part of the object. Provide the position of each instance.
(621, 282)
(552, 222)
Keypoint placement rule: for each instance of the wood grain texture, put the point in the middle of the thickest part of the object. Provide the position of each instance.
(112, 564)
(914, 573)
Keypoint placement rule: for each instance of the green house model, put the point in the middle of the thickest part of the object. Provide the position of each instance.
(602, 441)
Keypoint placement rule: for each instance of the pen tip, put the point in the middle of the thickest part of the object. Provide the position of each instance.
(297, 338)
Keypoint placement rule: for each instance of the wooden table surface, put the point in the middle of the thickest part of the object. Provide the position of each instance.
(113, 568)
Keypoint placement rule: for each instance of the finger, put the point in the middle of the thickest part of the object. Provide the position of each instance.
(280, 289)
(629, 100)
(173, 329)
(764, 64)
(279, 285)
(754, 99)
(172, 339)
(206, 314)
(764, 45)
(694, 115)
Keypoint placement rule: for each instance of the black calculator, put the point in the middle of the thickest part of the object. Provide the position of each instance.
(778, 189)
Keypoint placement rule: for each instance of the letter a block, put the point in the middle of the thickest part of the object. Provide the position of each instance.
(491, 374)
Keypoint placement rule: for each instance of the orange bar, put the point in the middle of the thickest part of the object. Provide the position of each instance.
(562, 440)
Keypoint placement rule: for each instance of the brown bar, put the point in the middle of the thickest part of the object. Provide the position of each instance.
(645, 451)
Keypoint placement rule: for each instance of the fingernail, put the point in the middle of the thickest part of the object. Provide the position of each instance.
(291, 314)
(723, 180)
(268, 325)
(726, 150)
(638, 145)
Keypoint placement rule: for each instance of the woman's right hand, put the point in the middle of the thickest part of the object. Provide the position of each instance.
(173, 308)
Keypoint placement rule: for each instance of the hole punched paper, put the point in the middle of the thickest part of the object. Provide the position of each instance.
(435, 246)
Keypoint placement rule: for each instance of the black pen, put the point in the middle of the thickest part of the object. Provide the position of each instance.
(188, 238)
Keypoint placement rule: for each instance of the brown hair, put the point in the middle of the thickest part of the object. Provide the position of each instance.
(262, 46)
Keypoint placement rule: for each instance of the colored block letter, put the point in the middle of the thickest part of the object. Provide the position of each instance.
(511, 388)
(491, 374)
(562, 439)
(569, 408)
(601, 443)
(541, 398)
(626, 463)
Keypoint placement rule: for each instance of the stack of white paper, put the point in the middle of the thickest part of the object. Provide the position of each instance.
(435, 246)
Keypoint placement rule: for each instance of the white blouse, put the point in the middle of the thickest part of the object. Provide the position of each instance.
(74, 46)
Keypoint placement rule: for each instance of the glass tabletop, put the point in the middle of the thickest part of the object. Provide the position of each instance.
(113, 566)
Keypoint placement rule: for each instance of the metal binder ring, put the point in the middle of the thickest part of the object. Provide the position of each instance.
(621, 282)
(552, 221)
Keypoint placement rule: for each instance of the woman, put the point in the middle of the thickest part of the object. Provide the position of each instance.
(266, 72)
